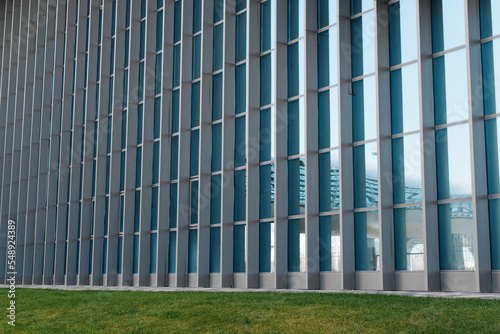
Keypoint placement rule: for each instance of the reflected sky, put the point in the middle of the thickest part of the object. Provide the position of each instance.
(452, 23)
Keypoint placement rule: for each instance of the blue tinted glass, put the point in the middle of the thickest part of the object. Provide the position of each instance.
(403, 31)
(177, 21)
(196, 56)
(143, 8)
(137, 210)
(456, 236)
(404, 99)
(329, 243)
(295, 20)
(239, 195)
(175, 111)
(240, 5)
(216, 147)
(217, 97)
(215, 250)
(452, 150)
(173, 205)
(110, 123)
(122, 212)
(215, 199)
(450, 88)
(122, 171)
(139, 123)
(296, 186)
(152, 263)
(218, 46)
(296, 126)
(494, 205)
(363, 45)
(156, 161)
(157, 118)
(328, 119)
(492, 154)
(158, 74)
(177, 65)
(193, 251)
(138, 165)
(265, 79)
(195, 104)
(406, 171)
(365, 175)
(267, 135)
(358, 6)
(197, 6)
(265, 26)
(296, 245)
(295, 68)
(491, 76)
(142, 40)
(125, 88)
(265, 247)
(218, 10)
(327, 58)
(241, 88)
(172, 254)
(241, 38)
(266, 191)
(239, 249)
(448, 24)
(108, 168)
(408, 239)
(366, 237)
(364, 109)
(195, 148)
(329, 181)
(490, 18)
(159, 30)
(174, 158)
(240, 142)
(327, 13)
(194, 203)
(119, 261)
(104, 255)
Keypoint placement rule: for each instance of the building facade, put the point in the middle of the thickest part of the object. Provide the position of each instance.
(310, 144)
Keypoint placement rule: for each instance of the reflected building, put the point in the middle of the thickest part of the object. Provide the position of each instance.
(317, 144)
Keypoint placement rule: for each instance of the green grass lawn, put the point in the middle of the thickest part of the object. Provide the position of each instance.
(57, 311)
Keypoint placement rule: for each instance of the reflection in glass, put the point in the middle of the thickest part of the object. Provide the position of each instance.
(215, 249)
(296, 186)
(448, 24)
(266, 191)
(328, 119)
(491, 76)
(217, 97)
(295, 68)
(216, 147)
(327, 13)
(297, 245)
(327, 57)
(193, 251)
(195, 148)
(490, 18)
(240, 89)
(215, 199)
(240, 141)
(173, 206)
(366, 236)
(453, 162)
(172, 247)
(267, 134)
(296, 127)
(358, 6)
(408, 239)
(266, 248)
(329, 243)
(239, 195)
(363, 45)
(456, 236)
(218, 46)
(329, 181)
(494, 205)
(364, 112)
(239, 247)
(493, 154)
(241, 38)
(405, 100)
(403, 31)
(295, 19)
(194, 203)
(450, 88)
(406, 170)
(365, 175)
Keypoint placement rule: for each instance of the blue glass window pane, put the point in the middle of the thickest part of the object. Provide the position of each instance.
(329, 243)
(241, 38)
(490, 18)
(177, 65)
(218, 46)
(193, 252)
(240, 5)
(113, 18)
(296, 186)
(110, 97)
(156, 161)
(408, 239)
(241, 89)
(329, 181)
(215, 199)
(363, 45)
(327, 58)
(196, 56)
(448, 24)
(405, 99)
(295, 21)
(104, 255)
(365, 175)
(124, 130)
(295, 68)
(197, 6)
(265, 26)
(240, 195)
(215, 250)
(453, 162)
(239, 249)
(159, 30)
(158, 74)
(195, 149)
(142, 40)
(122, 171)
(358, 6)
(218, 10)
(172, 254)
(122, 212)
(159, 4)
(152, 264)
(108, 167)
(138, 166)
(177, 21)
(265, 247)
(216, 147)
(106, 208)
(296, 245)
(174, 166)
(491, 76)
(265, 79)
(493, 154)
(450, 88)
(266, 189)
(366, 237)
(403, 31)
(108, 144)
(119, 260)
(126, 53)
(137, 210)
(175, 111)
(364, 109)
(494, 206)
(296, 126)
(240, 141)
(195, 104)
(328, 119)
(173, 205)
(456, 236)
(157, 118)
(406, 170)
(217, 97)
(267, 135)
(143, 8)
(327, 13)
(194, 203)
(135, 268)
